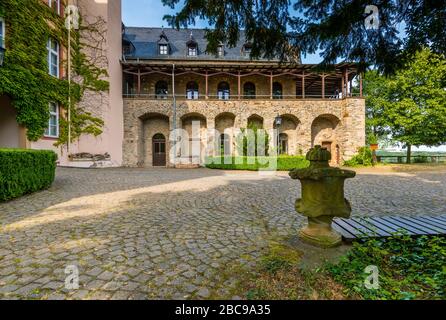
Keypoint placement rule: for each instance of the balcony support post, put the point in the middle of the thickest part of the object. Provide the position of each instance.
(271, 85)
(323, 86)
(360, 84)
(239, 84)
(207, 85)
(139, 82)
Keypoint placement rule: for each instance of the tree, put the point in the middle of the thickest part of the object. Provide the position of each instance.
(374, 86)
(412, 104)
(337, 28)
(259, 148)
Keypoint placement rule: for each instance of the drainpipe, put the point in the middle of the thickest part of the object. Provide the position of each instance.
(174, 116)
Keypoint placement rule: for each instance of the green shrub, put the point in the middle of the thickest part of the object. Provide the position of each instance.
(409, 268)
(25, 171)
(284, 163)
(420, 159)
(362, 158)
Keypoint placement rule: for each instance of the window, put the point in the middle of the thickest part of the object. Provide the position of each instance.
(163, 49)
(53, 57)
(55, 5)
(2, 32)
(192, 90)
(283, 143)
(221, 51)
(277, 90)
(161, 90)
(249, 90)
(53, 123)
(192, 50)
(247, 49)
(223, 91)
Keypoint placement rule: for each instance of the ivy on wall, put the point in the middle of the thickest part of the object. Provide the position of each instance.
(24, 75)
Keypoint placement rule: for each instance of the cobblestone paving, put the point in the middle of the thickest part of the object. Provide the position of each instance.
(148, 234)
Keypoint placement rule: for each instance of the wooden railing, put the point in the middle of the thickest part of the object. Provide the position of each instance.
(235, 97)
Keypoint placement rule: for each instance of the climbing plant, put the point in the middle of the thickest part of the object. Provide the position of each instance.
(24, 75)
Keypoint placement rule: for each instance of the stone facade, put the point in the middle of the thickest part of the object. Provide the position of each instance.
(339, 124)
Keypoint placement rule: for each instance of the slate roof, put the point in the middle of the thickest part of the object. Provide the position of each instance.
(145, 42)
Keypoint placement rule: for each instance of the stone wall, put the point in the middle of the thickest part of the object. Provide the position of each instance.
(340, 122)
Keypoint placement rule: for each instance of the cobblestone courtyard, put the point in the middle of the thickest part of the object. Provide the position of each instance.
(147, 234)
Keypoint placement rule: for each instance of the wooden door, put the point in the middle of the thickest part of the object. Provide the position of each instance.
(159, 150)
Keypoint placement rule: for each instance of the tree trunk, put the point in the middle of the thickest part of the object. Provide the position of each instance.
(409, 153)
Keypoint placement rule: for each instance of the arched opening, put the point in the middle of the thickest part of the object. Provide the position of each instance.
(249, 90)
(289, 129)
(225, 145)
(161, 90)
(223, 91)
(283, 143)
(277, 90)
(193, 144)
(154, 126)
(159, 150)
(255, 121)
(192, 90)
(324, 133)
(224, 124)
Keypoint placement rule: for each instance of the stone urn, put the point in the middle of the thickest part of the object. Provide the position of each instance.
(322, 198)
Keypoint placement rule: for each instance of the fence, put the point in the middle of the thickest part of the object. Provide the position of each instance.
(414, 159)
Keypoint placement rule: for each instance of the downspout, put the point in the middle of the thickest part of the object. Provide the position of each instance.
(174, 117)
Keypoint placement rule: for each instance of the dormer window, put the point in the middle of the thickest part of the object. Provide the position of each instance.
(220, 51)
(192, 50)
(247, 49)
(163, 44)
(192, 46)
(164, 49)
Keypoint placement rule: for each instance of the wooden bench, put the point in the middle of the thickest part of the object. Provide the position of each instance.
(386, 226)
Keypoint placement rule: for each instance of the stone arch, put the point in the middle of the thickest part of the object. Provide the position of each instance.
(324, 132)
(255, 119)
(290, 127)
(152, 123)
(189, 155)
(223, 122)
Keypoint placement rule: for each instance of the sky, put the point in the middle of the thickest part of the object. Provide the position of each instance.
(150, 13)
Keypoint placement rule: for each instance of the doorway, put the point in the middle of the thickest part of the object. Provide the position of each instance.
(159, 150)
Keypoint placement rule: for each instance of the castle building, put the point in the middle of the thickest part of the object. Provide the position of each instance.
(163, 79)
(170, 81)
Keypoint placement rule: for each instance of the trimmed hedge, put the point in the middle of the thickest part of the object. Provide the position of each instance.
(284, 163)
(25, 171)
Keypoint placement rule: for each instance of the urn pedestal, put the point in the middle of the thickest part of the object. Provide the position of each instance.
(322, 198)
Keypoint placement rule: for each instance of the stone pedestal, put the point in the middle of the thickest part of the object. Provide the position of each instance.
(322, 198)
(319, 232)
